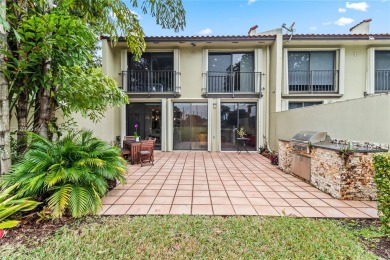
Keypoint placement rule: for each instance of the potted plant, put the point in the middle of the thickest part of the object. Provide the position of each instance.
(136, 136)
(241, 132)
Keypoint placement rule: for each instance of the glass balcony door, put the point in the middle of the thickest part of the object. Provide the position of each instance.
(233, 117)
(190, 122)
(148, 118)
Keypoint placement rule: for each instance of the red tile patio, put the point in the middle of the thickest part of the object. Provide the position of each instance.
(225, 183)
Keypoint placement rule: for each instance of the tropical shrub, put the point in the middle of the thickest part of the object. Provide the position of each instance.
(69, 175)
(10, 205)
(382, 180)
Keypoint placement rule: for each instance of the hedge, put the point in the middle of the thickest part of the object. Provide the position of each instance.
(382, 180)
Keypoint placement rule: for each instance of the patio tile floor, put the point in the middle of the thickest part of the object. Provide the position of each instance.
(225, 183)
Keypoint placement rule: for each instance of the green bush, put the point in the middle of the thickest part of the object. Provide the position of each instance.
(10, 205)
(69, 175)
(382, 180)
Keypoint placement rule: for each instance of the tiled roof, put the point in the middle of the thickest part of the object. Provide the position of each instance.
(222, 38)
(364, 21)
(384, 36)
(203, 38)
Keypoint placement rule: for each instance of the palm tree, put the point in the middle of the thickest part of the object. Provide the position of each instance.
(5, 148)
(70, 175)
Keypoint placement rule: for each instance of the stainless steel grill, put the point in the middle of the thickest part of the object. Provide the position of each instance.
(302, 140)
(300, 160)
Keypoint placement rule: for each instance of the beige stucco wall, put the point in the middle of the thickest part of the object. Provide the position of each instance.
(363, 119)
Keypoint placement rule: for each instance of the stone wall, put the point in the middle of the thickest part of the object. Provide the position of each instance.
(350, 179)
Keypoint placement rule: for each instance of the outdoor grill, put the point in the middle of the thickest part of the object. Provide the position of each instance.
(300, 143)
(302, 140)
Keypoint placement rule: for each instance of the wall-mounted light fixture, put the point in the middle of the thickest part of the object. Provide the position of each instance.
(193, 44)
(214, 105)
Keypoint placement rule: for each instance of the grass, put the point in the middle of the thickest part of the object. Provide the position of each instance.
(197, 237)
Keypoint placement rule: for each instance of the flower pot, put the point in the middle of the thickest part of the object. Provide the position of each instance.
(137, 139)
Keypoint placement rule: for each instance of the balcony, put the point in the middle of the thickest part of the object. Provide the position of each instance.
(382, 81)
(232, 83)
(313, 81)
(143, 82)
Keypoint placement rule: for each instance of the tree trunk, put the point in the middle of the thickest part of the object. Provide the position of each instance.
(43, 114)
(22, 119)
(43, 103)
(5, 140)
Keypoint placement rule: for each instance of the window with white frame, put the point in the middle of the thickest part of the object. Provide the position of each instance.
(230, 72)
(299, 104)
(382, 71)
(312, 72)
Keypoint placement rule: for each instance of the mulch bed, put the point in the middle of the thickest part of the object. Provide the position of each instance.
(380, 246)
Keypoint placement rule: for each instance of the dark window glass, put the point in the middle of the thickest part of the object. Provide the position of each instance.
(382, 71)
(311, 71)
(293, 105)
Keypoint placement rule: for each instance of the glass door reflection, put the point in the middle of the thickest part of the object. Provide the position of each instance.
(233, 117)
(190, 126)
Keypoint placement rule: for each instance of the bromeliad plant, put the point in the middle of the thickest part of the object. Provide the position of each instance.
(10, 205)
(69, 175)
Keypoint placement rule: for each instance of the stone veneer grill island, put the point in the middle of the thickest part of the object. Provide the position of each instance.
(348, 178)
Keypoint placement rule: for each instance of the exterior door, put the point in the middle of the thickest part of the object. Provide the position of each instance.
(233, 117)
(190, 126)
(148, 118)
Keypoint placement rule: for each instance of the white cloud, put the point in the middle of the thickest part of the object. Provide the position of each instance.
(136, 14)
(313, 28)
(362, 6)
(251, 2)
(206, 31)
(327, 23)
(344, 21)
(342, 10)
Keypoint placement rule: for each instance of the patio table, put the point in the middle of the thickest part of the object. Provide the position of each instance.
(242, 144)
(134, 148)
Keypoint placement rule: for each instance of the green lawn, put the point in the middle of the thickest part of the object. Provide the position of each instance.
(197, 237)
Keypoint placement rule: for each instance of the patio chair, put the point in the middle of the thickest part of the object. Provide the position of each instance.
(146, 152)
(125, 153)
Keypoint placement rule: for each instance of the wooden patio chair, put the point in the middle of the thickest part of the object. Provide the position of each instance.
(125, 153)
(146, 152)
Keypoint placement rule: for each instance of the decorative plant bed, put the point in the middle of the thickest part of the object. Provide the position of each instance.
(341, 170)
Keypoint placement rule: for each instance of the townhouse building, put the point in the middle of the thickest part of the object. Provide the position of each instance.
(194, 92)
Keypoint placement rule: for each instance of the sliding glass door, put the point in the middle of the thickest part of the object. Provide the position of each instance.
(233, 117)
(148, 118)
(190, 126)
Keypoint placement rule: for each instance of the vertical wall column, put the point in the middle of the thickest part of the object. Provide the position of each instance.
(124, 87)
(218, 136)
(169, 135)
(164, 124)
(210, 129)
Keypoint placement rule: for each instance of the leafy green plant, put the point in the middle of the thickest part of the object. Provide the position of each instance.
(346, 152)
(382, 180)
(241, 132)
(70, 175)
(10, 205)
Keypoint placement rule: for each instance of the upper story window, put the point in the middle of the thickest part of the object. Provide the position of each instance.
(293, 105)
(153, 72)
(231, 72)
(312, 72)
(382, 71)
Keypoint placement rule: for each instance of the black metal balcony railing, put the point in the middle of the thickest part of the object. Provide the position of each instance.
(141, 81)
(232, 82)
(382, 81)
(313, 81)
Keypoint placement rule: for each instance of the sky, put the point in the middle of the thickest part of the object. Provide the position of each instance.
(235, 17)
